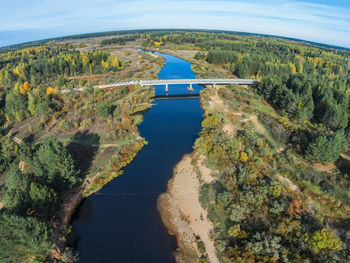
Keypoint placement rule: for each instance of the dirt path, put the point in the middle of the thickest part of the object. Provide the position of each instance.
(205, 172)
(289, 183)
(258, 127)
(323, 167)
(107, 145)
(15, 139)
(217, 102)
(183, 214)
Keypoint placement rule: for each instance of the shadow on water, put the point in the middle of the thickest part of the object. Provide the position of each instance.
(121, 222)
(171, 97)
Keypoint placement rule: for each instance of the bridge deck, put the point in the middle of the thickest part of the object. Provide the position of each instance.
(158, 82)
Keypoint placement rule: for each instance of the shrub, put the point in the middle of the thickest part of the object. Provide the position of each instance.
(323, 239)
(243, 157)
(211, 121)
(104, 110)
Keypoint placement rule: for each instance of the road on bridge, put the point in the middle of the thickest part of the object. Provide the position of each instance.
(172, 82)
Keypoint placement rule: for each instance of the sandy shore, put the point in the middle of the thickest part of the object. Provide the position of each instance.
(183, 214)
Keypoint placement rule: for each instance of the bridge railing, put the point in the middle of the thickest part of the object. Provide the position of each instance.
(171, 82)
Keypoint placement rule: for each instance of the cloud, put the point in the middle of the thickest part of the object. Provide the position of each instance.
(307, 20)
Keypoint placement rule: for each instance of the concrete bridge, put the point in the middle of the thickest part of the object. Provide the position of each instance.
(167, 82)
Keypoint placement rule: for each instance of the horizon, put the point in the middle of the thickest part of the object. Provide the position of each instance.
(115, 33)
(318, 21)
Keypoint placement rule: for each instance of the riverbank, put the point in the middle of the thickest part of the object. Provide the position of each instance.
(71, 199)
(182, 213)
(126, 208)
(100, 161)
(200, 67)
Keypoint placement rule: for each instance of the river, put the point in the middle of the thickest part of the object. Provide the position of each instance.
(121, 223)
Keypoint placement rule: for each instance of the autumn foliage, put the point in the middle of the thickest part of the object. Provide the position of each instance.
(295, 208)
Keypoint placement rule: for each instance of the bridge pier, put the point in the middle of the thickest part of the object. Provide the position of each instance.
(190, 89)
(214, 85)
(166, 89)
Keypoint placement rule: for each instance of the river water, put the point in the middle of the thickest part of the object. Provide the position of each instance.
(121, 222)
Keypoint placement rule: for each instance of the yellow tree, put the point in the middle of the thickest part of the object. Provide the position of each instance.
(85, 58)
(24, 89)
(1, 77)
(51, 90)
(293, 68)
(113, 61)
(17, 85)
(16, 71)
(104, 64)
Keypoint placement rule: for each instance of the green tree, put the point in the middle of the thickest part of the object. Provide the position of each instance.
(9, 148)
(43, 200)
(325, 149)
(23, 239)
(15, 105)
(104, 110)
(125, 90)
(54, 166)
(16, 197)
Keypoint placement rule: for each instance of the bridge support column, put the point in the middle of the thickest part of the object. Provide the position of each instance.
(191, 89)
(166, 89)
(214, 85)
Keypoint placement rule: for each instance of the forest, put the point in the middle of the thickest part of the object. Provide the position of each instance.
(30, 78)
(49, 143)
(308, 84)
(258, 217)
(281, 192)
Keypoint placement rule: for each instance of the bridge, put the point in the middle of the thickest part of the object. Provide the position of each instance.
(167, 82)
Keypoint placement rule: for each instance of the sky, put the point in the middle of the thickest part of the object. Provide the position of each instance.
(314, 20)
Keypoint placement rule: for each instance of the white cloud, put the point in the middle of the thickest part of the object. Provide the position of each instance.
(310, 21)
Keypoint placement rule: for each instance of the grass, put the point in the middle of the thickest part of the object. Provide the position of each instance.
(137, 119)
(262, 107)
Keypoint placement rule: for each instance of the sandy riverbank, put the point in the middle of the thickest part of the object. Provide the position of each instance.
(183, 215)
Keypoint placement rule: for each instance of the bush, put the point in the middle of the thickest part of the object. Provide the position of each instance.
(323, 239)
(125, 90)
(243, 157)
(104, 110)
(211, 121)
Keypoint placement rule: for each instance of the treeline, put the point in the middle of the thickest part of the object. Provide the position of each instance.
(181, 37)
(118, 40)
(307, 84)
(43, 64)
(23, 102)
(30, 78)
(37, 174)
